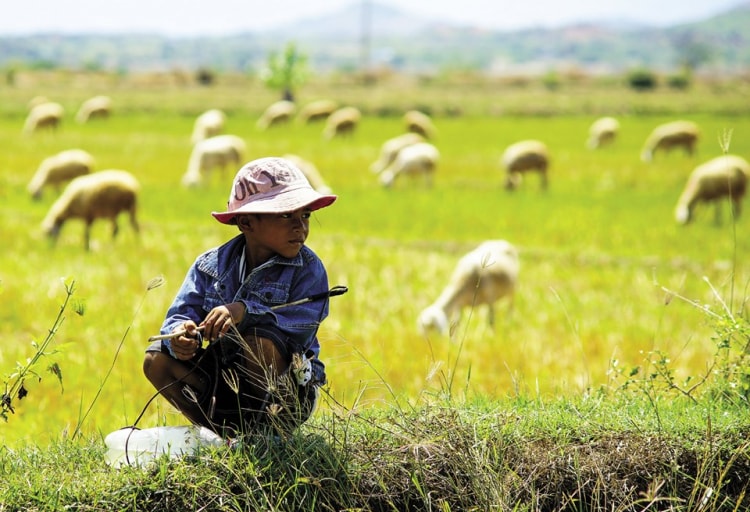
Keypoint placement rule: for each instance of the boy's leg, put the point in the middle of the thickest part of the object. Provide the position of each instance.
(180, 383)
(284, 403)
(262, 363)
(251, 385)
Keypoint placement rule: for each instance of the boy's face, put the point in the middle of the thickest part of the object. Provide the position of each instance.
(279, 233)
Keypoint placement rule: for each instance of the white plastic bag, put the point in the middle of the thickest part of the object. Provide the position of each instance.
(137, 447)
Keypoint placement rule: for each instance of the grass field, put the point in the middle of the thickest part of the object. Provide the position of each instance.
(596, 248)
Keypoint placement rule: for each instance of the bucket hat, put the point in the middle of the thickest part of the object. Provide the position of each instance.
(271, 185)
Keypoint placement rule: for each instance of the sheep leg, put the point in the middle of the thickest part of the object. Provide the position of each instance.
(115, 227)
(717, 213)
(491, 316)
(453, 321)
(510, 181)
(736, 208)
(54, 234)
(134, 222)
(87, 235)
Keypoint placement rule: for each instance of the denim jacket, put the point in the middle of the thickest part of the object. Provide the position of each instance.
(214, 280)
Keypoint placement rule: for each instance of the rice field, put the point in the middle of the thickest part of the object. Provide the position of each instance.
(604, 266)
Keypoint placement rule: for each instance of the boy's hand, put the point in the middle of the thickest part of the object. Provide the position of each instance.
(221, 319)
(185, 345)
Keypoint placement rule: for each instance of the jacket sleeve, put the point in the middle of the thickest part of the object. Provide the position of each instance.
(187, 304)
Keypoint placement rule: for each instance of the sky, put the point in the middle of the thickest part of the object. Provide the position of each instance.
(223, 17)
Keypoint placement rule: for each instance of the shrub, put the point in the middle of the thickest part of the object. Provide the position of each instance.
(205, 76)
(680, 81)
(642, 80)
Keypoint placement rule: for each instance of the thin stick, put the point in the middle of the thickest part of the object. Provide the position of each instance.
(173, 335)
(336, 290)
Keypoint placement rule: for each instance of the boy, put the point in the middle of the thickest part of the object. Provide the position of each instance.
(236, 298)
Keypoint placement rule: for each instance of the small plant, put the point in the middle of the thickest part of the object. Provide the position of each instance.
(15, 383)
(286, 72)
(727, 375)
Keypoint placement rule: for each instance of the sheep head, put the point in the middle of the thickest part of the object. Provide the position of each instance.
(435, 318)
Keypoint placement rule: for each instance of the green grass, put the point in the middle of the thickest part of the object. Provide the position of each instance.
(593, 453)
(596, 250)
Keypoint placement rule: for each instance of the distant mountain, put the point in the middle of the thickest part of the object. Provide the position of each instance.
(350, 23)
(384, 36)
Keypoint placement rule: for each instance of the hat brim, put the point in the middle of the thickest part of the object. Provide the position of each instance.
(282, 203)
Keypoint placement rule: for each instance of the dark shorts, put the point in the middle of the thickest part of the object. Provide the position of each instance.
(234, 405)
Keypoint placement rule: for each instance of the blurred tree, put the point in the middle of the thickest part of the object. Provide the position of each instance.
(286, 72)
(693, 53)
(641, 79)
(680, 81)
(204, 76)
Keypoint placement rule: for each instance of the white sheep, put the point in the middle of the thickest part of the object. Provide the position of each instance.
(99, 195)
(311, 172)
(418, 159)
(209, 124)
(723, 176)
(277, 113)
(522, 157)
(665, 137)
(419, 122)
(98, 107)
(44, 115)
(60, 168)
(603, 132)
(485, 275)
(342, 122)
(390, 149)
(317, 110)
(216, 152)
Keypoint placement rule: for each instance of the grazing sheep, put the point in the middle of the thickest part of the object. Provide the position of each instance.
(522, 157)
(44, 115)
(421, 123)
(483, 276)
(390, 149)
(420, 158)
(209, 124)
(318, 110)
(603, 132)
(99, 195)
(216, 152)
(277, 113)
(723, 176)
(98, 107)
(311, 172)
(665, 137)
(342, 122)
(60, 168)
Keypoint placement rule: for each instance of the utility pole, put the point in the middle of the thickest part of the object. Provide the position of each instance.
(366, 40)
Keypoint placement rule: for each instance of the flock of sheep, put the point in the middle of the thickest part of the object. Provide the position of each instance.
(484, 276)
(87, 195)
(489, 273)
